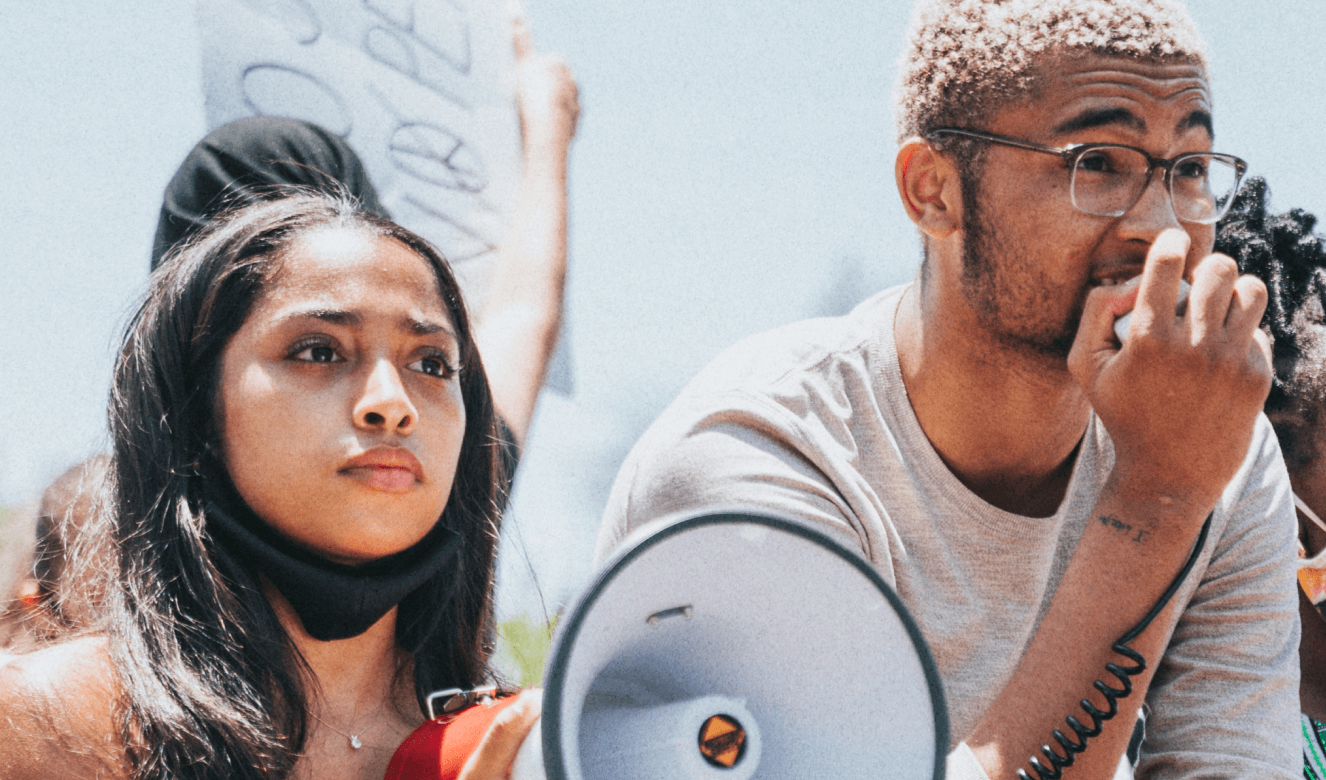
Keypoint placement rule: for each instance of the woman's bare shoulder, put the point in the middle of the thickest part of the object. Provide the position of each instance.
(58, 712)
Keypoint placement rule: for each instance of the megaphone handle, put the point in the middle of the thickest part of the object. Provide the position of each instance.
(528, 764)
(1112, 695)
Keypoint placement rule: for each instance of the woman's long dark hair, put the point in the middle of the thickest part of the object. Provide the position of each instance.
(213, 687)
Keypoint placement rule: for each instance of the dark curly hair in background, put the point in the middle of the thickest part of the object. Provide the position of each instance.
(1284, 252)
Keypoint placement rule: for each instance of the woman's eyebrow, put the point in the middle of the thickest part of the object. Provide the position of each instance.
(412, 325)
(425, 327)
(334, 316)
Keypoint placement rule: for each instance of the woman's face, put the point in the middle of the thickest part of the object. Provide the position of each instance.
(340, 400)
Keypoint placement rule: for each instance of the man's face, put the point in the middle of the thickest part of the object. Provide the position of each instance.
(1029, 256)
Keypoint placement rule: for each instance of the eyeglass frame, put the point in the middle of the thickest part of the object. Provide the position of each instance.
(1074, 153)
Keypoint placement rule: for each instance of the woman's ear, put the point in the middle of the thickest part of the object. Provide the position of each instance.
(930, 189)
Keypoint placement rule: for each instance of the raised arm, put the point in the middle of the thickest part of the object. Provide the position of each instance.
(518, 325)
(1180, 401)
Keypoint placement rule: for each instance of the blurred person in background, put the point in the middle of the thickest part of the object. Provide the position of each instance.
(49, 601)
(1284, 252)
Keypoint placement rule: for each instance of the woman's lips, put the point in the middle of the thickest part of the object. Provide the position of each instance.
(392, 469)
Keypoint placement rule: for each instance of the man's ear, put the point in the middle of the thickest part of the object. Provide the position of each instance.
(930, 189)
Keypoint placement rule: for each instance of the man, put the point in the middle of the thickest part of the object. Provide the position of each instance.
(1030, 485)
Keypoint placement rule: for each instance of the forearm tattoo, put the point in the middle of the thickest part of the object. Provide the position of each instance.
(1136, 534)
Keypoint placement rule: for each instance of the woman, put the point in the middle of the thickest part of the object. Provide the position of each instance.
(1290, 258)
(302, 493)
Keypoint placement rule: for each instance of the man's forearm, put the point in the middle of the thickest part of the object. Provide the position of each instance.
(1130, 552)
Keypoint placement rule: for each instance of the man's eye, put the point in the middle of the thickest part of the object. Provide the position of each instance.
(1191, 169)
(433, 365)
(1095, 162)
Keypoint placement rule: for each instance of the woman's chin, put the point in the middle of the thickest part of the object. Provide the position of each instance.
(368, 534)
(356, 555)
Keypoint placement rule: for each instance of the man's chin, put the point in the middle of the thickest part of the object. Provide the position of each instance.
(1050, 350)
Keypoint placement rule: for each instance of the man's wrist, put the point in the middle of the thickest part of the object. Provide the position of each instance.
(1157, 499)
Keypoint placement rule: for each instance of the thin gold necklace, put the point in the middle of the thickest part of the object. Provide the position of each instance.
(355, 741)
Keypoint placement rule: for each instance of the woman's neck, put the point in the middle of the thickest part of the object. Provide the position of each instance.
(361, 667)
(359, 691)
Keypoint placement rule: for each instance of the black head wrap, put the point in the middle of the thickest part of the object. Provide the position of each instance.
(248, 160)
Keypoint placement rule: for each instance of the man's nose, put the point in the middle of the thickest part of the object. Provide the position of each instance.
(1153, 212)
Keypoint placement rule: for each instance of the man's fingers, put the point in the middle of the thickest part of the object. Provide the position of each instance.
(1246, 307)
(1260, 353)
(497, 750)
(1212, 292)
(1095, 333)
(1160, 278)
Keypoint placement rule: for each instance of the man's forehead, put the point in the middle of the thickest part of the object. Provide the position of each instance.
(1074, 92)
(1159, 79)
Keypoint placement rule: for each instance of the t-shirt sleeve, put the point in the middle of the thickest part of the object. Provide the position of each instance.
(1224, 701)
(733, 452)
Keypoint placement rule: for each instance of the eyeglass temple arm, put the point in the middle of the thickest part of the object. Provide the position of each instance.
(1066, 154)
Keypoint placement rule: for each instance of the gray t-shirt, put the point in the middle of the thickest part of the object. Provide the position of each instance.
(811, 421)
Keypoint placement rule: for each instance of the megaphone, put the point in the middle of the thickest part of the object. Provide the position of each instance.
(735, 646)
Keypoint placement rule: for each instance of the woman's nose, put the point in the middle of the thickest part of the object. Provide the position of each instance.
(384, 403)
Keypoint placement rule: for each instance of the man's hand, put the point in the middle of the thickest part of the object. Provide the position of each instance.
(1181, 397)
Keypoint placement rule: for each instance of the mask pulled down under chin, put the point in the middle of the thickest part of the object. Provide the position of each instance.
(1311, 570)
(332, 600)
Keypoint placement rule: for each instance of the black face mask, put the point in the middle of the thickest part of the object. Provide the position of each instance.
(333, 600)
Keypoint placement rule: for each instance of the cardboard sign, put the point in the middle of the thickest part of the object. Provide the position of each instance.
(423, 90)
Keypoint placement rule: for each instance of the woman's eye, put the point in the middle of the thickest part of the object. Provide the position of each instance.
(318, 353)
(433, 365)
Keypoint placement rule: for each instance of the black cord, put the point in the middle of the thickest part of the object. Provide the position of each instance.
(1112, 695)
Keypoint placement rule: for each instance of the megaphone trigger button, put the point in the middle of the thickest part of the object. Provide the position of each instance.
(454, 700)
(685, 610)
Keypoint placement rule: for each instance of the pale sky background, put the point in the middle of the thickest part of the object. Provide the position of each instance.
(733, 171)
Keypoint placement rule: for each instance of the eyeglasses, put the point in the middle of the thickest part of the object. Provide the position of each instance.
(1107, 179)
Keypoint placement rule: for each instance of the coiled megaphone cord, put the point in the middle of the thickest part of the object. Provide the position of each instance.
(1112, 695)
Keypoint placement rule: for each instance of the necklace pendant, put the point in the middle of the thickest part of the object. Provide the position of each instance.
(354, 742)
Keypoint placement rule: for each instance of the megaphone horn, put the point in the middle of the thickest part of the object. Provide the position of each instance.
(734, 646)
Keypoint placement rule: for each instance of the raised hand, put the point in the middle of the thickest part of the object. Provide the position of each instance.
(545, 91)
(1181, 397)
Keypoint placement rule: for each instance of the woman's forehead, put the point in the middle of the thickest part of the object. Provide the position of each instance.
(352, 268)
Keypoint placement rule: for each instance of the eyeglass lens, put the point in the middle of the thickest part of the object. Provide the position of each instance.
(1108, 180)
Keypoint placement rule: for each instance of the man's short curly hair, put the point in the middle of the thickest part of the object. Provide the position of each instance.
(966, 59)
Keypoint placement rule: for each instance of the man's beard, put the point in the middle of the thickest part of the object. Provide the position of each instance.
(994, 289)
